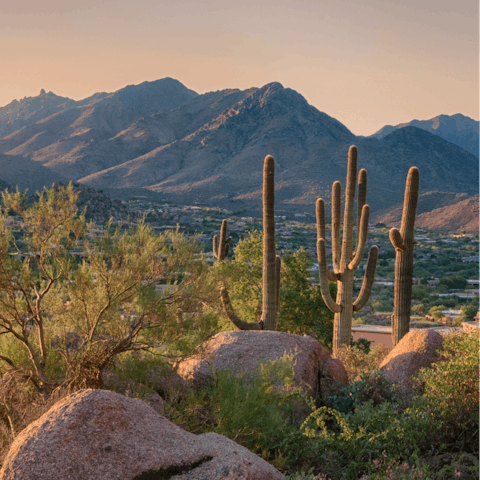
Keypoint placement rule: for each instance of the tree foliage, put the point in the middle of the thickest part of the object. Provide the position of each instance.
(302, 310)
(64, 319)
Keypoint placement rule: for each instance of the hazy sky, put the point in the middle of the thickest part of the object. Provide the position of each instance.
(367, 63)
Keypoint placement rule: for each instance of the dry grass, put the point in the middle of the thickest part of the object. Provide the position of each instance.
(20, 405)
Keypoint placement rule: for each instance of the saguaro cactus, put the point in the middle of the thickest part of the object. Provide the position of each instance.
(271, 262)
(404, 243)
(221, 251)
(345, 261)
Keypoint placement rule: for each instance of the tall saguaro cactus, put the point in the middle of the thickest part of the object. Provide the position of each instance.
(345, 261)
(404, 243)
(271, 262)
(221, 251)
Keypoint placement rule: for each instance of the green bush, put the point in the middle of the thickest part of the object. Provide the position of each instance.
(451, 390)
(371, 386)
(360, 437)
(254, 409)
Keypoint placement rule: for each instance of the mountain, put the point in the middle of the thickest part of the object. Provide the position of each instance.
(438, 211)
(458, 129)
(163, 140)
(30, 110)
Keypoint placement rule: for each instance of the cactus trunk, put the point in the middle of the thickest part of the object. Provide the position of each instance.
(345, 261)
(271, 261)
(269, 295)
(221, 251)
(404, 243)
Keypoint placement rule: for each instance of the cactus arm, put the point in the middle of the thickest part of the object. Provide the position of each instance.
(396, 239)
(362, 198)
(336, 206)
(232, 316)
(362, 238)
(321, 232)
(322, 270)
(347, 240)
(368, 279)
(215, 246)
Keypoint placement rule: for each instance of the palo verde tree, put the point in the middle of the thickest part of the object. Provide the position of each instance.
(404, 243)
(345, 261)
(63, 320)
(271, 261)
(32, 261)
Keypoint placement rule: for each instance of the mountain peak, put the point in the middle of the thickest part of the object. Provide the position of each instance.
(458, 129)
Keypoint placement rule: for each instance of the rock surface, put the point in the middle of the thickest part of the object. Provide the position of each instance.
(416, 350)
(95, 434)
(315, 370)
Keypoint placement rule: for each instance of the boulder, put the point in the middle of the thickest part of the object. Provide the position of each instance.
(94, 434)
(315, 370)
(416, 350)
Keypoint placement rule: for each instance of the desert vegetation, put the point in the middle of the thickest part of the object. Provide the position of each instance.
(116, 307)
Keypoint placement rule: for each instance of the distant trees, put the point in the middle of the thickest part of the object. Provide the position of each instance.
(454, 282)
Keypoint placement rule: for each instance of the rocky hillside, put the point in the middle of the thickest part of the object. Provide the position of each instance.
(161, 138)
(439, 211)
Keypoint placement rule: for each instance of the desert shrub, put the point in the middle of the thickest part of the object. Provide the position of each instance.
(395, 470)
(252, 409)
(358, 361)
(359, 321)
(359, 437)
(370, 386)
(451, 390)
(362, 344)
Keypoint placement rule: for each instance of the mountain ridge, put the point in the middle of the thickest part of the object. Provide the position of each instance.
(458, 129)
(189, 148)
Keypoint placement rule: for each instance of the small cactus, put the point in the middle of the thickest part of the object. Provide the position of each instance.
(404, 243)
(344, 260)
(271, 262)
(221, 251)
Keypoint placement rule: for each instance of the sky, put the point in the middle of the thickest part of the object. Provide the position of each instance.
(367, 64)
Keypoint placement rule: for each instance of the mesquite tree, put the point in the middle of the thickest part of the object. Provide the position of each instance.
(271, 261)
(345, 261)
(404, 243)
(221, 251)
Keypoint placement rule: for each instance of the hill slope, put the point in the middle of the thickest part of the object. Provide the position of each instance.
(439, 211)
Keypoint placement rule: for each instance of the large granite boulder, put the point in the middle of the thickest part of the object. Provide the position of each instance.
(416, 350)
(315, 370)
(98, 434)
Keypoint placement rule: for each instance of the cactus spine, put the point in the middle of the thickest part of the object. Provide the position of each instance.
(221, 251)
(344, 260)
(404, 243)
(271, 262)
